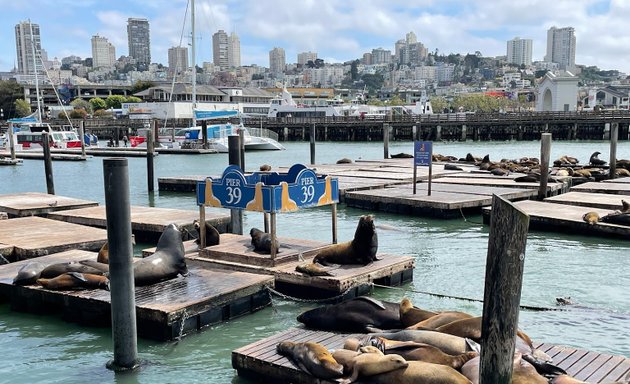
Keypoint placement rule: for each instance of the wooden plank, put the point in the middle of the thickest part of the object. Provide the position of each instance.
(621, 372)
(620, 180)
(593, 367)
(603, 373)
(586, 199)
(595, 187)
(588, 361)
(36, 203)
(36, 236)
(498, 181)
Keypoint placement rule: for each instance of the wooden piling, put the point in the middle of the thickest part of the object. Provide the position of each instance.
(502, 292)
(150, 155)
(204, 134)
(11, 142)
(614, 135)
(82, 136)
(545, 150)
(313, 144)
(386, 133)
(234, 158)
(50, 183)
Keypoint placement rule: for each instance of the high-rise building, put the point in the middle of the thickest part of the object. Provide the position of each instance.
(305, 57)
(381, 56)
(103, 52)
(519, 51)
(234, 51)
(277, 60)
(26, 37)
(139, 40)
(177, 60)
(220, 50)
(561, 47)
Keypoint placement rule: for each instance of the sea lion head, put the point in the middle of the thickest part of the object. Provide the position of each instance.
(365, 239)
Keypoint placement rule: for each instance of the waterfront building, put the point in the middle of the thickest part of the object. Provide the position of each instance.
(561, 47)
(519, 51)
(27, 35)
(305, 57)
(220, 50)
(139, 40)
(277, 60)
(234, 51)
(103, 52)
(177, 60)
(557, 92)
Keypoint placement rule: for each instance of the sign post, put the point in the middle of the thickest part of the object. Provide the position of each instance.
(422, 155)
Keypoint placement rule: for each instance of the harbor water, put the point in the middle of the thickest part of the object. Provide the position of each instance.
(450, 259)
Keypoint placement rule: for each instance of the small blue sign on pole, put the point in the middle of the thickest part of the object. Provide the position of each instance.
(422, 152)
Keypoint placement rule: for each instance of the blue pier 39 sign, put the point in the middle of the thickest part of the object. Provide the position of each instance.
(423, 151)
(268, 192)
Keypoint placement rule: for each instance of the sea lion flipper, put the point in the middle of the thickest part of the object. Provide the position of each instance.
(378, 303)
(473, 345)
(78, 276)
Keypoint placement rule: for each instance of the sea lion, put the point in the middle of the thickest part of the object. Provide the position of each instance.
(345, 160)
(29, 273)
(212, 235)
(57, 269)
(414, 351)
(499, 171)
(401, 155)
(410, 315)
(313, 269)
(167, 261)
(360, 314)
(360, 250)
(625, 206)
(312, 358)
(367, 364)
(440, 319)
(470, 328)
(71, 280)
(453, 345)
(265, 168)
(103, 254)
(591, 218)
(622, 172)
(452, 167)
(522, 371)
(594, 160)
(262, 241)
(421, 372)
(620, 218)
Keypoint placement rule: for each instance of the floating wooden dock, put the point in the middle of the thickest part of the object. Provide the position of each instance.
(261, 362)
(234, 253)
(617, 188)
(586, 199)
(39, 155)
(36, 203)
(36, 236)
(565, 218)
(206, 296)
(147, 223)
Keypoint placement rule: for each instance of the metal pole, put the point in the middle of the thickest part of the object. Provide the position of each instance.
(150, 155)
(334, 223)
(386, 141)
(614, 134)
(50, 182)
(273, 235)
(204, 134)
(82, 136)
(123, 303)
(202, 227)
(234, 158)
(545, 150)
(241, 139)
(313, 144)
(11, 142)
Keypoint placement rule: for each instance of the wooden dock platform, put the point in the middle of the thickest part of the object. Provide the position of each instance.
(261, 362)
(347, 280)
(36, 203)
(147, 223)
(206, 296)
(565, 218)
(617, 188)
(586, 199)
(37, 236)
(179, 183)
(39, 155)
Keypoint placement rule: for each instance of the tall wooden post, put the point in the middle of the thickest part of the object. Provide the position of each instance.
(502, 292)
(313, 143)
(202, 227)
(614, 135)
(50, 182)
(11, 142)
(274, 236)
(241, 139)
(82, 136)
(386, 129)
(234, 158)
(334, 223)
(545, 150)
(204, 134)
(150, 155)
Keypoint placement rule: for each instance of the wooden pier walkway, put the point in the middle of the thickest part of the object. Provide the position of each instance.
(147, 223)
(261, 362)
(206, 296)
(618, 187)
(38, 204)
(34, 236)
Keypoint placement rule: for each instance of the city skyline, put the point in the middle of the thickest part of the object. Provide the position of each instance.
(337, 31)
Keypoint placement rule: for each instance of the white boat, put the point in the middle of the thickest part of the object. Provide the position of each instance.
(28, 134)
(285, 106)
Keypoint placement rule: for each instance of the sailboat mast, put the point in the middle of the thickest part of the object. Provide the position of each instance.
(194, 66)
(39, 109)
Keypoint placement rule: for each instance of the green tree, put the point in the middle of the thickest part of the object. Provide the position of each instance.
(115, 101)
(140, 86)
(97, 103)
(10, 91)
(438, 104)
(354, 70)
(79, 113)
(81, 104)
(396, 100)
(22, 108)
(373, 82)
(133, 99)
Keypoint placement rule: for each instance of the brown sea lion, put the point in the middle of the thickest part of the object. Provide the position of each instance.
(440, 319)
(591, 218)
(345, 160)
(29, 273)
(471, 328)
(57, 269)
(360, 250)
(262, 241)
(414, 351)
(522, 371)
(453, 345)
(103, 254)
(265, 168)
(410, 315)
(622, 172)
(312, 358)
(72, 280)
(566, 379)
(367, 364)
(421, 372)
(212, 235)
(313, 269)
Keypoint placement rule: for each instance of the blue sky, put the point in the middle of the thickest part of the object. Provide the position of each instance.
(336, 30)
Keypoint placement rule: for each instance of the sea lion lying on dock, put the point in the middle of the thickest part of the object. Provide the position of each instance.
(360, 250)
(312, 358)
(29, 273)
(367, 362)
(262, 241)
(73, 280)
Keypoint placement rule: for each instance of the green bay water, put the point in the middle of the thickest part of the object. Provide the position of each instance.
(450, 259)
